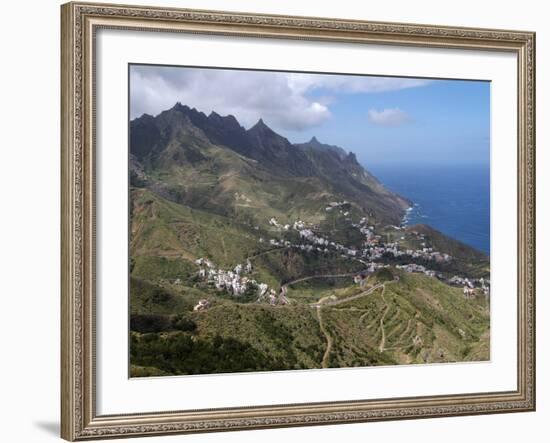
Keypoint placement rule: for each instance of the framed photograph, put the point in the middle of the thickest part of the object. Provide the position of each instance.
(282, 221)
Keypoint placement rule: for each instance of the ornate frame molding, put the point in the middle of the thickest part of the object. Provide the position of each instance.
(79, 23)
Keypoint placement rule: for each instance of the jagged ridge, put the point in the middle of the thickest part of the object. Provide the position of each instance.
(186, 138)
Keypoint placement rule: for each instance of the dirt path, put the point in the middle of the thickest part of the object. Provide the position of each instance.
(383, 339)
(310, 277)
(324, 362)
(351, 297)
(319, 306)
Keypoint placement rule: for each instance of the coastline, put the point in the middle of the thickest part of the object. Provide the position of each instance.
(455, 200)
(406, 217)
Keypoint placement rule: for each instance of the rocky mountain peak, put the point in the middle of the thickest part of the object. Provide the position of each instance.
(314, 141)
(260, 126)
(352, 158)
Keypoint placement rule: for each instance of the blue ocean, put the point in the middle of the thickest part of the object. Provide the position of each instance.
(453, 199)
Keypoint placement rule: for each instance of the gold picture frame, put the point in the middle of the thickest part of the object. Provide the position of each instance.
(79, 22)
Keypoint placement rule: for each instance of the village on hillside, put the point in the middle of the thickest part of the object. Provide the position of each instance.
(372, 254)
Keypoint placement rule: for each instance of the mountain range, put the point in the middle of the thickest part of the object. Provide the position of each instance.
(168, 150)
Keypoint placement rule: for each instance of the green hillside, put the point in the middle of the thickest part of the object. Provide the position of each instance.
(413, 320)
(248, 253)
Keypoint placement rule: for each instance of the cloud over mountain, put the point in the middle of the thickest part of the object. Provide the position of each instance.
(287, 101)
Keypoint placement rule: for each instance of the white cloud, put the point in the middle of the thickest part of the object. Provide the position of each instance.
(284, 100)
(352, 83)
(389, 117)
(248, 95)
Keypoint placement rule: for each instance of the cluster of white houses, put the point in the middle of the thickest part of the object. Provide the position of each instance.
(373, 248)
(413, 267)
(313, 242)
(469, 285)
(235, 282)
(377, 251)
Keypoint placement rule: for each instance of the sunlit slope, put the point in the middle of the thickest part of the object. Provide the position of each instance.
(413, 320)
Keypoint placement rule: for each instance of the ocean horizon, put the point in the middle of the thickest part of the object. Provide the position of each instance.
(454, 199)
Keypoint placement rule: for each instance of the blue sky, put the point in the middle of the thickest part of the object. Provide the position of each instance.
(382, 119)
(443, 121)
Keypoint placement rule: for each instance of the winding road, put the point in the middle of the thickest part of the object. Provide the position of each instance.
(326, 301)
(320, 304)
(324, 361)
(310, 277)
